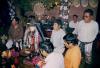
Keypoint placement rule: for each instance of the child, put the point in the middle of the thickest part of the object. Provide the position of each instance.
(57, 36)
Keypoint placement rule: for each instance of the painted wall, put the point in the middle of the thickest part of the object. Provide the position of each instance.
(79, 11)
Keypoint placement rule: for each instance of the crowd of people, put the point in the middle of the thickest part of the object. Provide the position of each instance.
(63, 50)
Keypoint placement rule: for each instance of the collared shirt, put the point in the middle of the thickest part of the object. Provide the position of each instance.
(54, 60)
(57, 39)
(87, 32)
(72, 57)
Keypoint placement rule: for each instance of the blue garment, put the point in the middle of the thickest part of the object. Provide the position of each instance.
(37, 66)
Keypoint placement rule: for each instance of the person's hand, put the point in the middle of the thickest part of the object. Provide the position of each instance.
(13, 66)
(41, 63)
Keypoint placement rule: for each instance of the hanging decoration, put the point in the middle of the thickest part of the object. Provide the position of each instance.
(11, 9)
(65, 5)
(84, 3)
(25, 5)
(76, 3)
(93, 3)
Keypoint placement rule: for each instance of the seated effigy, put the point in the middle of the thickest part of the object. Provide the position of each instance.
(31, 38)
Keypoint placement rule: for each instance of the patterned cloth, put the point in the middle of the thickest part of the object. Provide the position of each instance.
(36, 59)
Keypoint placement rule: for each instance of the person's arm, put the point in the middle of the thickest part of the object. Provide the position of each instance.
(77, 28)
(62, 35)
(40, 64)
(21, 33)
(96, 31)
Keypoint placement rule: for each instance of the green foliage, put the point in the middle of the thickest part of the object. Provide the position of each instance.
(47, 3)
(25, 5)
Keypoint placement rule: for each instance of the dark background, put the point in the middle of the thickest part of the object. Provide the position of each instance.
(5, 23)
(4, 16)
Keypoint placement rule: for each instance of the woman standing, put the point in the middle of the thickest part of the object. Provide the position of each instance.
(57, 36)
(72, 57)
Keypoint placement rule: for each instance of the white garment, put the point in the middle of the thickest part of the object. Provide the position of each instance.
(87, 32)
(28, 37)
(54, 60)
(88, 52)
(57, 40)
(9, 44)
(72, 24)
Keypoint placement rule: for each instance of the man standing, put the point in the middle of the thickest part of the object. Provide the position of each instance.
(15, 33)
(74, 22)
(87, 31)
